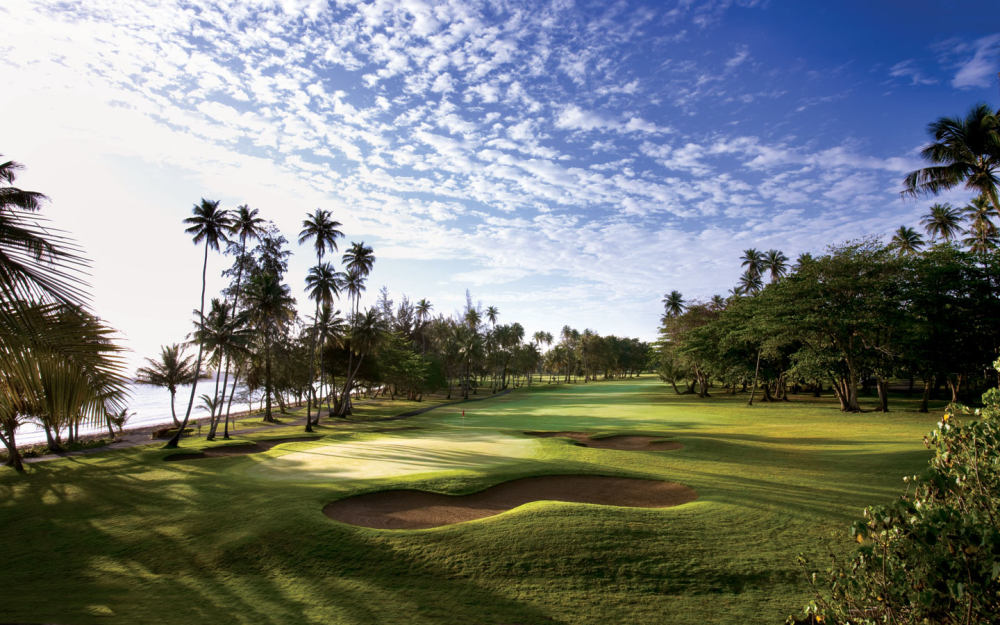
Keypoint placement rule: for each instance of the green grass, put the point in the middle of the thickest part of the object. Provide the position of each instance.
(124, 537)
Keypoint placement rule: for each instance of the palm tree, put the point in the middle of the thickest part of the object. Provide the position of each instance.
(753, 260)
(775, 262)
(224, 336)
(750, 283)
(981, 239)
(906, 241)
(246, 225)
(982, 232)
(323, 284)
(423, 309)
(271, 310)
(492, 312)
(942, 221)
(322, 229)
(170, 371)
(208, 224)
(37, 263)
(673, 304)
(330, 329)
(964, 152)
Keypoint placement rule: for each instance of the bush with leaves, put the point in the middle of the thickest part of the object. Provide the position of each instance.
(933, 556)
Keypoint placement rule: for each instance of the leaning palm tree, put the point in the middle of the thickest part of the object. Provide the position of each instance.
(673, 304)
(209, 224)
(776, 263)
(965, 151)
(170, 371)
(906, 241)
(943, 221)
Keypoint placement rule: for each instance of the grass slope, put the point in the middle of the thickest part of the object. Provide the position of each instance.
(124, 537)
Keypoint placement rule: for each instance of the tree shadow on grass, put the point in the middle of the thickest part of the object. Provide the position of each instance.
(196, 546)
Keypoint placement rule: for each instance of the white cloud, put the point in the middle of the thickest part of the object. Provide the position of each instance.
(981, 69)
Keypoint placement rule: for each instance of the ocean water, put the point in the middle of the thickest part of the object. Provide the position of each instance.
(151, 405)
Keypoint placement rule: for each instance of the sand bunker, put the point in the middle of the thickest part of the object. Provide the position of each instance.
(626, 443)
(413, 509)
(240, 449)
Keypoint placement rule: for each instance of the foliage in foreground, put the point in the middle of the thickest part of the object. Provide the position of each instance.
(934, 555)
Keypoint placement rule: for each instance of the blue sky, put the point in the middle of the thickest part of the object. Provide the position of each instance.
(567, 162)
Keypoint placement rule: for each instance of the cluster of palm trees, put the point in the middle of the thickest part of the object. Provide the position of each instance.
(965, 152)
(251, 333)
(59, 364)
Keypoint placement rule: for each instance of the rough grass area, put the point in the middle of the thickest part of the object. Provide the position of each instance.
(124, 537)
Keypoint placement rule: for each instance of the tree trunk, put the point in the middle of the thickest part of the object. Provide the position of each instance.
(267, 384)
(756, 370)
(173, 410)
(13, 455)
(172, 443)
(928, 385)
(883, 394)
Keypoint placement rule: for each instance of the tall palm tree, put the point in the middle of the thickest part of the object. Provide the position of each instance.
(942, 221)
(358, 260)
(965, 151)
(322, 229)
(753, 260)
(492, 312)
(423, 310)
(906, 241)
(323, 284)
(246, 225)
(209, 224)
(673, 304)
(330, 329)
(170, 371)
(776, 263)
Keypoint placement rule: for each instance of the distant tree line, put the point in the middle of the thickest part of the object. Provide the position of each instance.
(255, 340)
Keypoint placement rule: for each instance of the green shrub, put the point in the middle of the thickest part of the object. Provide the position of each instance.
(933, 556)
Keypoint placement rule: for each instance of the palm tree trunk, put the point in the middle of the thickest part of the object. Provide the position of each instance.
(173, 409)
(13, 455)
(267, 383)
(172, 443)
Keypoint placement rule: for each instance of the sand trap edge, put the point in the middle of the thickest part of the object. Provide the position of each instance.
(415, 509)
